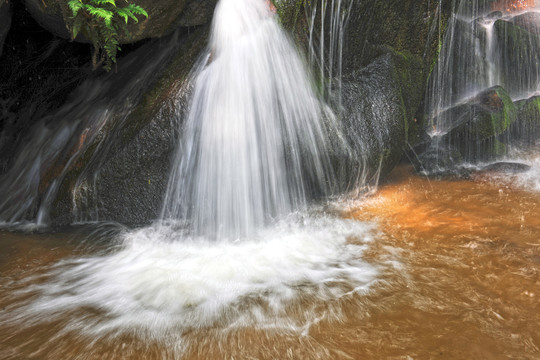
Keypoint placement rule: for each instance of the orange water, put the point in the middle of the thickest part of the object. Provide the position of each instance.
(466, 285)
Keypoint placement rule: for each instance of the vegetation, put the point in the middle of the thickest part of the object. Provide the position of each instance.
(100, 22)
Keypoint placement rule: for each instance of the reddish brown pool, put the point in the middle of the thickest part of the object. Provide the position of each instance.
(459, 278)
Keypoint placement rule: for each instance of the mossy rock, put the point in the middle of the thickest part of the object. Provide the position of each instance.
(520, 57)
(526, 129)
(484, 119)
(164, 17)
(398, 36)
(377, 115)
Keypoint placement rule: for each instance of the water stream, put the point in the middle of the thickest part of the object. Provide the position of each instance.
(252, 256)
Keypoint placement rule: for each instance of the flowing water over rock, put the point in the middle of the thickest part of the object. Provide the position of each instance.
(237, 247)
(255, 145)
(486, 80)
(242, 266)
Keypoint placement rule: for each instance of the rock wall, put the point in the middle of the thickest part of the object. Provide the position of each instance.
(164, 16)
(5, 22)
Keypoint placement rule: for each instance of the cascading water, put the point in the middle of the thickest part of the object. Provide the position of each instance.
(249, 252)
(484, 86)
(255, 144)
(326, 46)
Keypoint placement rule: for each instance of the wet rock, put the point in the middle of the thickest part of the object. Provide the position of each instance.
(529, 21)
(440, 160)
(526, 129)
(375, 115)
(122, 173)
(495, 15)
(405, 25)
(479, 124)
(506, 167)
(520, 49)
(5, 22)
(164, 17)
(398, 36)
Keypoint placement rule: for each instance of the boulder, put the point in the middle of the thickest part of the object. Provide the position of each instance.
(378, 108)
(526, 129)
(440, 161)
(121, 173)
(393, 44)
(5, 22)
(506, 168)
(164, 16)
(481, 123)
(520, 51)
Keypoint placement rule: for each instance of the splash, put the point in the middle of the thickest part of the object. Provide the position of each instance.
(255, 141)
(164, 287)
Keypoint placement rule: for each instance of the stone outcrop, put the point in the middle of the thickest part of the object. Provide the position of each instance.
(164, 16)
(5, 22)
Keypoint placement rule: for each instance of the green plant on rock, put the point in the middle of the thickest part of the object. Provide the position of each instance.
(100, 22)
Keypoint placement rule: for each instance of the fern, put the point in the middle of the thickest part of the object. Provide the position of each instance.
(100, 22)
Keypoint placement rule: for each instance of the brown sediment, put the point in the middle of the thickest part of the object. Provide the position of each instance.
(466, 285)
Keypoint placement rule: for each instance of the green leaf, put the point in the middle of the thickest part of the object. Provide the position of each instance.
(75, 6)
(125, 13)
(104, 14)
(136, 9)
(102, 2)
(76, 27)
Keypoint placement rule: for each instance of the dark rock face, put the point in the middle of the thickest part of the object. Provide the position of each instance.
(520, 48)
(123, 172)
(38, 71)
(5, 22)
(439, 161)
(526, 129)
(404, 25)
(164, 17)
(391, 43)
(506, 167)
(480, 124)
(375, 115)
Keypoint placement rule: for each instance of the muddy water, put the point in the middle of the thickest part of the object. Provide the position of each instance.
(458, 278)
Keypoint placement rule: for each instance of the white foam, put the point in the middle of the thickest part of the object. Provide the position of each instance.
(161, 280)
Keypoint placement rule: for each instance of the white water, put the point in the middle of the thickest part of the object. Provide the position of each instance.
(254, 152)
(161, 282)
(255, 142)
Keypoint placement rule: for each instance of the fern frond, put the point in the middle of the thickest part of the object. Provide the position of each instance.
(75, 6)
(77, 24)
(102, 2)
(137, 10)
(125, 13)
(104, 14)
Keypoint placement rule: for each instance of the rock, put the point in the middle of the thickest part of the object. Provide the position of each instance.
(164, 17)
(506, 167)
(376, 116)
(439, 161)
(404, 25)
(197, 13)
(5, 22)
(123, 172)
(526, 129)
(528, 21)
(520, 57)
(391, 43)
(481, 122)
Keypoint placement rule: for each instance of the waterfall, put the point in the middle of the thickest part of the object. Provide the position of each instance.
(487, 63)
(255, 142)
(326, 45)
